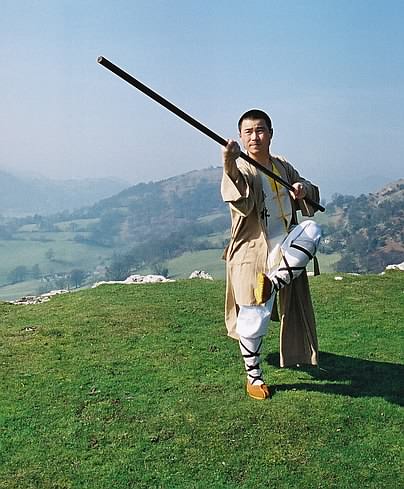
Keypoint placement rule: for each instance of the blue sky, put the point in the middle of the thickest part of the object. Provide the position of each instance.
(330, 74)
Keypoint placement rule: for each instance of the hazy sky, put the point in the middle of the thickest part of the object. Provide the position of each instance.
(329, 72)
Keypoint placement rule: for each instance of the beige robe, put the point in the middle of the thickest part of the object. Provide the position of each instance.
(246, 256)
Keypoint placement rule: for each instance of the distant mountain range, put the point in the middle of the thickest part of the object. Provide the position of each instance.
(160, 220)
(36, 195)
(27, 195)
(150, 225)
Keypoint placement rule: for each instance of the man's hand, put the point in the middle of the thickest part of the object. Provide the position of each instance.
(299, 191)
(230, 153)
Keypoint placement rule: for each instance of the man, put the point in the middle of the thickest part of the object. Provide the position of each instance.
(268, 252)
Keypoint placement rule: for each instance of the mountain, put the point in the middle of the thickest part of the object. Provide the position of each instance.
(368, 230)
(153, 210)
(142, 226)
(156, 226)
(163, 219)
(29, 195)
(393, 192)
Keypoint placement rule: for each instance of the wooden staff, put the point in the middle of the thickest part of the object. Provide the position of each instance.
(193, 122)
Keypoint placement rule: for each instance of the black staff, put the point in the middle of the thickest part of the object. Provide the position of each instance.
(187, 118)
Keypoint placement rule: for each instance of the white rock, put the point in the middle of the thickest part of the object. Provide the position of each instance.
(54, 292)
(137, 279)
(399, 266)
(201, 274)
(338, 278)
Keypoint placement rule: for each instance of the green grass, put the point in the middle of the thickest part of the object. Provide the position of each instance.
(180, 267)
(78, 224)
(68, 255)
(208, 260)
(30, 245)
(211, 261)
(326, 262)
(20, 289)
(139, 387)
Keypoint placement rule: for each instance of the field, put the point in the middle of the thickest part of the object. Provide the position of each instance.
(208, 260)
(139, 387)
(211, 262)
(68, 255)
(30, 247)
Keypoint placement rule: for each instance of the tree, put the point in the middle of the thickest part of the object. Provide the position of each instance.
(77, 277)
(347, 263)
(120, 267)
(18, 274)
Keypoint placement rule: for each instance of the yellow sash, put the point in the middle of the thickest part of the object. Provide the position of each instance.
(275, 188)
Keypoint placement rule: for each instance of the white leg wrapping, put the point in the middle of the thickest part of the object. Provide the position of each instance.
(252, 326)
(298, 249)
(253, 321)
(250, 350)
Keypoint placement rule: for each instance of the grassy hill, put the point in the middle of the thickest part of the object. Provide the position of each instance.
(139, 387)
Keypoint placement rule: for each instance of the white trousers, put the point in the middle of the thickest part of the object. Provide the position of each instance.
(298, 247)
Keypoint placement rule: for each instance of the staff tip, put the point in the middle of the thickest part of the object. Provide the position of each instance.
(100, 59)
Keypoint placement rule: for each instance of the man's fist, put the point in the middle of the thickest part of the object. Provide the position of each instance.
(299, 191)
(232, 151)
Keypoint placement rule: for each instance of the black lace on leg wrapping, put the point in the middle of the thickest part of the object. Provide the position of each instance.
(303, 250)
(279, 282)
(256, 365)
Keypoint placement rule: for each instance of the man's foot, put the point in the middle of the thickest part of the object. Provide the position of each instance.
(259, 392)
(264, 289)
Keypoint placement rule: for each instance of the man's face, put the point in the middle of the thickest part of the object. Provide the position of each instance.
(255, 136)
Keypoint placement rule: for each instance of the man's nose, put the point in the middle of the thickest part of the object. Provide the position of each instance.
(254, 135)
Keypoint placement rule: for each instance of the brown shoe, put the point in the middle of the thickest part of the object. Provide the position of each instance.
(264, 289)
(259, 392)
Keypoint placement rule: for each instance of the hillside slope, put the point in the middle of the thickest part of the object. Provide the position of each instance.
(167, 226)
(150, 210)
(139, 387)
(367, 230)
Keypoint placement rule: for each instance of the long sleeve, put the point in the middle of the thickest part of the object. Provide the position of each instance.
(238, 193)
